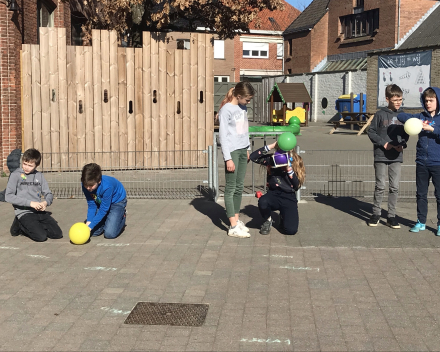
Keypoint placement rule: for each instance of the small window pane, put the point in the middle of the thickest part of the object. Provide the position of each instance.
(224, 79)
(246, 52)
(254, 52)
(183, 44)
(263, 53)
(215, 79)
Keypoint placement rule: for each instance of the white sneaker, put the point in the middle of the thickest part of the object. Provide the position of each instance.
(242, 225)
(238, 232)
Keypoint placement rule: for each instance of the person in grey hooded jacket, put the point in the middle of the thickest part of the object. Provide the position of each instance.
(29, 193)
(389, 139)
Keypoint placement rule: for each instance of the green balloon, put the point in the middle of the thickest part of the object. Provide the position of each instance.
(294, 120)
(294, 129)
(287, 141)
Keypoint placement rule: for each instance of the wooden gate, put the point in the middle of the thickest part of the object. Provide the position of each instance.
(120, 107)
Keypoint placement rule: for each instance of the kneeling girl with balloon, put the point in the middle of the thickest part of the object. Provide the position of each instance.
(285, 175)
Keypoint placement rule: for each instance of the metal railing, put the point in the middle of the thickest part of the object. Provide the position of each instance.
(336, 173)
(178, 175)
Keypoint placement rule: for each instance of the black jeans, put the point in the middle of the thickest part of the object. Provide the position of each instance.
(286, 203)
(423, 175)
(39, 226)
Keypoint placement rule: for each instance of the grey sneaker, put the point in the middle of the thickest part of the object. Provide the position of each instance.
(242, 225)
(265, 228)
(238, 232)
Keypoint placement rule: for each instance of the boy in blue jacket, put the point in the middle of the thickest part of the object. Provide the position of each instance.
(427, 155)
(106, 200)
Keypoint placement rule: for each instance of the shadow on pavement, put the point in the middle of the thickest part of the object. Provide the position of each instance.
(256, 219)
(212, 210)
(358, 208)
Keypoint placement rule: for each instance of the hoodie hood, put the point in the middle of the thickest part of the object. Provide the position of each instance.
(437, 93)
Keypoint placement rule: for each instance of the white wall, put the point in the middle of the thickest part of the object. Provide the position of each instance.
(324, 85)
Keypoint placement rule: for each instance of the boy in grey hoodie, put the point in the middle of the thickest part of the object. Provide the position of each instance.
(25, 189)
(389, 139)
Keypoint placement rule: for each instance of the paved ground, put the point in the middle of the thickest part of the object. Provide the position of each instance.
(337, 285)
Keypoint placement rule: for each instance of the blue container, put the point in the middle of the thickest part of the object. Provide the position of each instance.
(343, 105)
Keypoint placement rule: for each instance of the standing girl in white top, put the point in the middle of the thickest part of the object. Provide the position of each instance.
(234, 139)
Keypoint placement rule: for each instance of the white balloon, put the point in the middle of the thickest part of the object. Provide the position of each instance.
(413, 126)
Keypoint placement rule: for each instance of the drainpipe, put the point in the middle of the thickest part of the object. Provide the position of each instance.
(315, 98)
(398, 22)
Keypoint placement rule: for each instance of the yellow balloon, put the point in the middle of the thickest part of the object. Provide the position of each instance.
(413, 126)
(79, 233)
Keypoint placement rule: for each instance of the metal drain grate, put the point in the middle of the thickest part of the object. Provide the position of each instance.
(181, 314)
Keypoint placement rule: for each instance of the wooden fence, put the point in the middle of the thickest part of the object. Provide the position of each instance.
(120, 107)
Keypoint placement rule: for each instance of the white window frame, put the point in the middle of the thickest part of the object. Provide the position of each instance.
(49, 9)
(220, 79)
(186, 44)
(219, 49)
(280, 51)
(254, 50)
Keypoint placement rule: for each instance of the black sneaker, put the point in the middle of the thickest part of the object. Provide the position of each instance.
(392, 222)
(265, 228)
(374, 220)
(15, 228)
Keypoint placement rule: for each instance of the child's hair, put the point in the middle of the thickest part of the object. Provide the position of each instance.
(91, 174)
(241, 88)
(393, 90)
(429, 93)
(32, 155)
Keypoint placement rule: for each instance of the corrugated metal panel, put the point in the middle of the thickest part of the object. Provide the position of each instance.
(355, 64)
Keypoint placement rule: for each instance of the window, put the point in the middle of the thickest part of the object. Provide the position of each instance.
(221, 78)
(359, 3)
(219, 49)
(358, 25)
(280, 51)
(183, 44)
(45, 13)
(77, 20)
(258, 50)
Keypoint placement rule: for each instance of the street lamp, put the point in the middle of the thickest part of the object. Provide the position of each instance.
(12, 5)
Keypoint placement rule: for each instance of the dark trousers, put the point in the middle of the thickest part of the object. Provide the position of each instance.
(423, 175)
(39, 226)
(286, 203)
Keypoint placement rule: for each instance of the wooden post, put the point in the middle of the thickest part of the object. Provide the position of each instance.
(178, 115)
(155, 125)
(209, 114)
(138, 108)
(194, 98)
(80, 115)
(90, 155)
(72, 107)
(284, 114)
(122, 84)
(271, 109)
(146, 95)
(36, 98)
(62, 94)
(105, 88)
(97, 91)
(114, 99)
(186, 107)
(26, 84)
(170, 108)
(131, 123)
(201, 106)
(162, 101)
(54, 98)
(45, 98)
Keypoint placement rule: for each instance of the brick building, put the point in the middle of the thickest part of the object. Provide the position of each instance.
(17, 28)
(332, 35)
(257, 53)
(423, 39)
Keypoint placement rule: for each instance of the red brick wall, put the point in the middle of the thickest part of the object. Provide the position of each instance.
(410, 13)
(319, 36)
(271, 63)
(15, 29)
(299, 61)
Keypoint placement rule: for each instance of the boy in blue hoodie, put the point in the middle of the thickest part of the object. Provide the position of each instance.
(427, 155)
(389, 139)
(106, 200)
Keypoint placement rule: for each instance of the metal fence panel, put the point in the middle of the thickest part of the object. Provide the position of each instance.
(177, 181)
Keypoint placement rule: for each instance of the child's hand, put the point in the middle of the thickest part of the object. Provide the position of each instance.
(36, 205)
(399, 148)
(427, 127)
(230, 166)
(388, 146)
(271, 146)
(43, 205)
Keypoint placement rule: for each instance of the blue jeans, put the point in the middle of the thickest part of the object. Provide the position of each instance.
(423, 175)
(113, 223)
